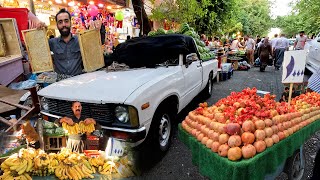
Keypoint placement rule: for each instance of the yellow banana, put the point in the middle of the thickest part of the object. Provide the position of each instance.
(75, 171)
(86, 172)
(12, 162)
(79, 171)
(72, 173)
(67, 173)
(30, 164)
(85, 169)
(27, 176)
(22, 170)
(4, 166)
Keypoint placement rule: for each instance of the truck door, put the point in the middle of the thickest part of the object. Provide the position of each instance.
(192, 78)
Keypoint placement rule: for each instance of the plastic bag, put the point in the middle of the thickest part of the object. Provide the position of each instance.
(23, 85)
(48, 125)
(59, 131)
(49, 131)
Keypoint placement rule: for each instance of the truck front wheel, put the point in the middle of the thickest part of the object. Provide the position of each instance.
(161, 129)
(207, 91)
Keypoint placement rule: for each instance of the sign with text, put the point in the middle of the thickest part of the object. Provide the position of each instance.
(293, 66)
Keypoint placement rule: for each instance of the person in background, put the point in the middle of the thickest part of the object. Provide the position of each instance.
(264, 52)
(314, 82)
(281, 45)
(250, 47)
(300, 41)
(235, 45)
(285, 95)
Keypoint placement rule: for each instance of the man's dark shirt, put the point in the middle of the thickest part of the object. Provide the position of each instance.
(67, 56)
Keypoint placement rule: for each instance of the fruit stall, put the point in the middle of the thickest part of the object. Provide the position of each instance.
(246, 136)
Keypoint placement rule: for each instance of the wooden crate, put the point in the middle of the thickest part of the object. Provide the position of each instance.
(91, 50)
(11, 64)
(38, 50)
(54, 143)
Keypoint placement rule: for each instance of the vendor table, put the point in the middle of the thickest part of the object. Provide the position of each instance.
(216, 167)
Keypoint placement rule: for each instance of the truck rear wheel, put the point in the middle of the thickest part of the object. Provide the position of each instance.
(207, 91)
(295, 166)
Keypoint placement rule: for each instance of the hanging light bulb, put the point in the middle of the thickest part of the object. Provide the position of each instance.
(58, 1)
(71, 3)
(50, 2)
(91, 2)
(64, 1)
(109, 7)
(100, 5)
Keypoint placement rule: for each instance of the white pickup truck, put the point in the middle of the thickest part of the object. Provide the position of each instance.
(136, 103)
(313, 54)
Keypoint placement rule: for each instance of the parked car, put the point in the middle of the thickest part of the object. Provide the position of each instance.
(137, 103)
(291, 43)
(313, 54)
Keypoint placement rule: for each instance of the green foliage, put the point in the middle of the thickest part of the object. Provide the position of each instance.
(305, 17)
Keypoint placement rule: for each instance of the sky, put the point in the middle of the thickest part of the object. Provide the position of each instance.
(280, 8)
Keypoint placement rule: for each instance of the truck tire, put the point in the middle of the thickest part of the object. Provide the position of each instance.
(294, 168)
(207, 91)
(161, 128)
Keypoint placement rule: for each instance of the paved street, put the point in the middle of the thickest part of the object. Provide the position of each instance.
(176, 164)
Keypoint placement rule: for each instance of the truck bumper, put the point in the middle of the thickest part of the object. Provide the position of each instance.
(127, 135)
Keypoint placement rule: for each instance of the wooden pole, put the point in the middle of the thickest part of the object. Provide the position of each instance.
(31, 7)
(290, 94)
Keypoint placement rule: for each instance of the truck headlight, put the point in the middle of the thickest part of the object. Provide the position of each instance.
(44, 103)
(122, 114)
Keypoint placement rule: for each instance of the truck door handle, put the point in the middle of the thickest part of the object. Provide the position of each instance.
(199, 65)
(316, 48)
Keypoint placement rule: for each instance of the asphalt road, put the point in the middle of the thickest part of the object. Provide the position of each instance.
(177, 164)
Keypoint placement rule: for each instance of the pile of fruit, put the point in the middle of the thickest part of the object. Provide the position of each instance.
(185, 29)
(243, 124)
(64, 165)
(78, 128)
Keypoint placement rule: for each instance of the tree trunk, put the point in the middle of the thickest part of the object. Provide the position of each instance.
(143, 20)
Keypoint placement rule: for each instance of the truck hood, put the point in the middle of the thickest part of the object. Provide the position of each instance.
(101, 86)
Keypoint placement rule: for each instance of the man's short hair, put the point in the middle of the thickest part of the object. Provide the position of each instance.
(63, 11)
(75, 102)
(301, 32)
(286, 88)
(275, 35)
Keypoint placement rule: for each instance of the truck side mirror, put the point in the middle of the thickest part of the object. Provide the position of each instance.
(318, 40)
(190, 58)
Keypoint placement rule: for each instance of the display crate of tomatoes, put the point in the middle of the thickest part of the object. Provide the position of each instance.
(244, 130)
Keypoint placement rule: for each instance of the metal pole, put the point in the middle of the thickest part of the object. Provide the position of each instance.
(31, 7)
(141, 21)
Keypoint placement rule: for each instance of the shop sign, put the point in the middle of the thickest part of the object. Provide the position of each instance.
(45, 9)
(294, 66)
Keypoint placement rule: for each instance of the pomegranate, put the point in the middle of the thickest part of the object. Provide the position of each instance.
(223, 138)
(232, 128)
(215, 136)
(260, 124)
(234, 141)
(223, 150)
(247, 138)
(210, 134)
(206, 130)
(268, 122)
(274, 129)
(194, 131)
(200, 136)
(260, 146)
(280, 127)
(275, 138)
(234, 153)
(248, 126)
(215, 146)
(204, 140)
(290, 130)
(220, 117)
(248, 151)
(221, 128)
(197, 133)
(281, 135)
(184, 125)
(286, 133)
(260, 134)
(268, 131)
(269, 142)
(209, 143)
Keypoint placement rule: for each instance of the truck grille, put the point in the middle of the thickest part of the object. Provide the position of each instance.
(102, 113)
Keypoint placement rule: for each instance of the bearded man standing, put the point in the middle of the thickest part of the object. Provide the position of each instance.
(67, 58)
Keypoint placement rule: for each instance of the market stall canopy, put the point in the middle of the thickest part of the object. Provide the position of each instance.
(149, 51)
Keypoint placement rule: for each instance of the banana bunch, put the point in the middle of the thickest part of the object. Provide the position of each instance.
(28, 153)
(108, 167)
(64, 153)
(54, 163)
(86, 128)
(78, 171)
(96, 161)
(17, 165)
(13, 176)
(41, 165)
(71, 129)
